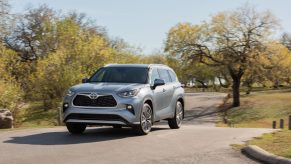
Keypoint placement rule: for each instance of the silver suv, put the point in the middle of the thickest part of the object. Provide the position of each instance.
(134, 95)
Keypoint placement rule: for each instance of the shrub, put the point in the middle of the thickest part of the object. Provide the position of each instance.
(10, 97)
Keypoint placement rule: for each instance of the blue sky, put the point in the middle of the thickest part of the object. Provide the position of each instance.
(146, 23)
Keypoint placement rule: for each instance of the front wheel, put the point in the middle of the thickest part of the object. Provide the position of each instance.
(75, 128)
(145, 125)
(175, 123)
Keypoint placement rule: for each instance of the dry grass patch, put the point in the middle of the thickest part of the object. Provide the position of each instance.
(260, 109)
(277, 143)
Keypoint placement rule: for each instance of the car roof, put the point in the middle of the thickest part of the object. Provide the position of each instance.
(136, 65)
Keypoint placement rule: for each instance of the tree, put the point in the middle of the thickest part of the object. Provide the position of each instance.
(80, 53)
(188, 70)
(277, 64)
(124, 52)
(35, 34)
(6, 19)
(4, 9)
(286, 40)
(157, 58)
(11, 92)
(232, 40)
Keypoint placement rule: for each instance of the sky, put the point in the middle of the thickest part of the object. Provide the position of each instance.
(145, 23)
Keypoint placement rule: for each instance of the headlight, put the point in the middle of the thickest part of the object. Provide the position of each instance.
(130, 93)
(70, 93)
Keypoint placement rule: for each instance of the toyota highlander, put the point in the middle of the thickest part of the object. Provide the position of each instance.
(132, 95)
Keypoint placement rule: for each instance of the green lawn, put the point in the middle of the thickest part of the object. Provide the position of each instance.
(258, 110)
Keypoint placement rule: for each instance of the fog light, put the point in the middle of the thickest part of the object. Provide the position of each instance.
(65, 106)
(130, 108)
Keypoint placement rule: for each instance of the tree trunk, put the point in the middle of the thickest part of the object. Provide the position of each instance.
(235, 91)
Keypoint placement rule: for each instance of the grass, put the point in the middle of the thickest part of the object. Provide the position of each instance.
(258, 110)
(277, 143)
(34, 116)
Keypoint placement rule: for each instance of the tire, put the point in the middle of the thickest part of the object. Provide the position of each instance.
(76, 128)
(176, 121)
(117, 126)
(146, 120)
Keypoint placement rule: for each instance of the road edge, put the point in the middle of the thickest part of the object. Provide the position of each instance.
(264, 156)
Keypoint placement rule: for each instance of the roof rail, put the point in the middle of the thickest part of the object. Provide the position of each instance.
(109, 64)
(158, 65)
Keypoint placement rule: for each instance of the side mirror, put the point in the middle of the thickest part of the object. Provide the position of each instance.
(85, 80)
(158, 82)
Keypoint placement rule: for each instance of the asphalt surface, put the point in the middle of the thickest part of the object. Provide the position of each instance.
(197, 141)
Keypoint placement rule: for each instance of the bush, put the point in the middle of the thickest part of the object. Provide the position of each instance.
(10, 97)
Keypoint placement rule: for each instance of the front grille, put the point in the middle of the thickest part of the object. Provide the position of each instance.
(104, 117)
(101, 101)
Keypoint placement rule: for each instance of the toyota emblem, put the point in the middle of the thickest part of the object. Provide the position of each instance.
(93, 96)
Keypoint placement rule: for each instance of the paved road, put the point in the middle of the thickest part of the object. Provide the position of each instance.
(198, 141)
(201, 108)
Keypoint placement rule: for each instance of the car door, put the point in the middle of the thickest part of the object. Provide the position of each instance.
(158, 92)
(167, 88)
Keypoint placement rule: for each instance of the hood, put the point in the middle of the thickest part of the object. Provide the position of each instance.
(105, 87)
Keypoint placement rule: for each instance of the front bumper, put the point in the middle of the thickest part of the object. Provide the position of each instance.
(100, 116)
(118, 115)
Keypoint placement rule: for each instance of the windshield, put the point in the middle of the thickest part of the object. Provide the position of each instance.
(120, 75)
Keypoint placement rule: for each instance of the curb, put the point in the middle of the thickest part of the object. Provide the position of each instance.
(264, 156)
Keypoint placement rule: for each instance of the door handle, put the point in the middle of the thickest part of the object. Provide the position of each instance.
(164, 90)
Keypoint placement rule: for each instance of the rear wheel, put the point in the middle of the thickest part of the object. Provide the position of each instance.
(76, 128)
(176, 121)
(145, 125)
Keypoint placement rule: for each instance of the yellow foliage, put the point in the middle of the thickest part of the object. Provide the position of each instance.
(11, 96)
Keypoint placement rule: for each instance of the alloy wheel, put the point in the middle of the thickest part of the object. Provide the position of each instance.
(146, 119)
(179, 114)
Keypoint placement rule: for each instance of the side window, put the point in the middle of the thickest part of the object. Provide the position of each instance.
(164, 75)
(154, 75)
(98, 75)
(101, 76)
(173, 76)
